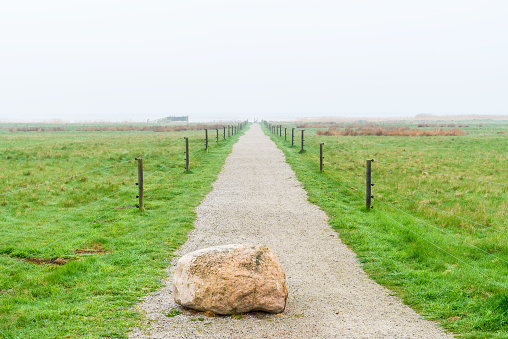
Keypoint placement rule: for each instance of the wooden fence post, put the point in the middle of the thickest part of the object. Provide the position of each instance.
(186, 154)
(206, 140)
(368, 185)
(301, 151)
(141, 201)
(321, 156)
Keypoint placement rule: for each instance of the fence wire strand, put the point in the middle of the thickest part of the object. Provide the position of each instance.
(444, 174)
(65, 236)
(51, 262)
(442, 231)
(340, 179)
(443, 211)
(66, 178)
(67, 214)
(443, 250)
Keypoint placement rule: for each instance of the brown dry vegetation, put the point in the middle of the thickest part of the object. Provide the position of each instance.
(418, 117)
(319, 125)
(150, 128)
(441, 125)
(37, 129)
(120, 128)
(372, 129)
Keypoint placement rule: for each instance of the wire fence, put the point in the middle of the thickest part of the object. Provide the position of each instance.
(59, 236)
(401, 208)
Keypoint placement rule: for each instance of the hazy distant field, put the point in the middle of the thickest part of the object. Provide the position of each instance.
(67, 196)
(434, 236)
(75, 253)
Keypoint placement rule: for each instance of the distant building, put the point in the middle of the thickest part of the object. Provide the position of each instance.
(184, 118)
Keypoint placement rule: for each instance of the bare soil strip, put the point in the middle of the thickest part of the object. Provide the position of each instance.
(258, 200)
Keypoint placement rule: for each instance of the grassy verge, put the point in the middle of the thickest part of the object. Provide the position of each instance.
(75, 254)
(438, 241)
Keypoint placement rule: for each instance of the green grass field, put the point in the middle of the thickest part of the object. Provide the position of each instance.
(438, 241)
(75, 252)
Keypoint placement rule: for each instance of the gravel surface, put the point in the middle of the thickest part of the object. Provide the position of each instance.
(257, 199)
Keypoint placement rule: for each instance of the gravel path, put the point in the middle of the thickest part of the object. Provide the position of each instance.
(257, 199)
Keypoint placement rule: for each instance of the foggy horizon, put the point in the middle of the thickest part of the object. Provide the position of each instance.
(278, 60)
(421, 116)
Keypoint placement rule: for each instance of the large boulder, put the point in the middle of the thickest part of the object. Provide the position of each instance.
(231, 279)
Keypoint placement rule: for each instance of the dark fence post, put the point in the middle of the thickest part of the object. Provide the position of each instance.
(224, 132)
(217, 136)
(186, 154)
(368, 185)
(321, 156)
(280, 131)
(206, 140)
(301, 151)
(141, 204)
(292, 136)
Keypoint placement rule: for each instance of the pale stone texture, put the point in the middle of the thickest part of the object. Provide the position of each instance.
(231, 279)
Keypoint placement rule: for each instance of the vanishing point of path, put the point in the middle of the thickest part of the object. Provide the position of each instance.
(258, 200)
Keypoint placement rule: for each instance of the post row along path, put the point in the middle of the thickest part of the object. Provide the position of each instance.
(257, 199)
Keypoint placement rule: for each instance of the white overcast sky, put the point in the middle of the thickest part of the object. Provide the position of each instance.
(138, 60)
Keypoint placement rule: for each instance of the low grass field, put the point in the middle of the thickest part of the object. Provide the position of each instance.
(437, 235)
(75, 252)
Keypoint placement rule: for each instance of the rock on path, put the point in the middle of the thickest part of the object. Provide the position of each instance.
(257, 199)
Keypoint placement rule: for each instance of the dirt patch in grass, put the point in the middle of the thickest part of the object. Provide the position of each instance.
(45, 261)
(93, 249)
